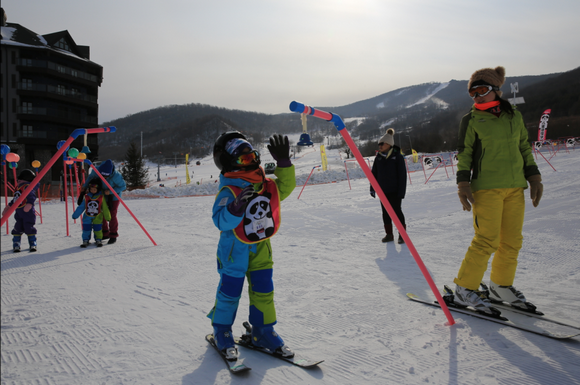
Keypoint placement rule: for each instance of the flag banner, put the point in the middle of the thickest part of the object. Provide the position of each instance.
(187, 179)
(544, 125)
(323, 158)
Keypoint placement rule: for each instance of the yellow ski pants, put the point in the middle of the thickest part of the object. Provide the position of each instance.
(498, 218)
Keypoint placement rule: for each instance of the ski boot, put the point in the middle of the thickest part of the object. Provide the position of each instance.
(510, 295)
(16, 243)
(99, 243)
(388, 238)
(265, 337)
(465, 297)
(85, 243)
(111, 241)
(32, 242)
(224, 340)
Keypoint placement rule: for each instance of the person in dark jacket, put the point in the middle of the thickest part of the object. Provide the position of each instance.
(25, 214)
(391, 173)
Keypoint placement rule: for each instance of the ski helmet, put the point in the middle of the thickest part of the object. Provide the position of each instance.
(222, 158)
(27, 175)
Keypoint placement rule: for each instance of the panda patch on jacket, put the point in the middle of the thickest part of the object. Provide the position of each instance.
(258, 223)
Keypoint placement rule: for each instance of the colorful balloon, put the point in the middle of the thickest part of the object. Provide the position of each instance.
(73, 152)
(12, 157)
(36, 164)
(60, 144)
(4, 149)
(82, 156)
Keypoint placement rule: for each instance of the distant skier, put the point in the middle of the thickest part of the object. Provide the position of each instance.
(391, 173)
(247, 212)
(25, 214)
(96, 210)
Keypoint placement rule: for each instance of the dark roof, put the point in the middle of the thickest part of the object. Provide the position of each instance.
(25, 36)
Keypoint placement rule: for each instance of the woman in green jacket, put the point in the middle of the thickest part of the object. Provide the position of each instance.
(495, 166)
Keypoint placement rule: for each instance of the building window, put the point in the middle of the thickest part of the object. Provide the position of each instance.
(13, 57)
(26, 108)
(61, 90)
(14, 130)
(14, 105)
(27, 131)
(63, 44)
(26, 84)
(13, 81)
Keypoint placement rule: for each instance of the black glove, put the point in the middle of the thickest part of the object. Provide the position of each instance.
(238, 206)
(280, 150)
(81, 197)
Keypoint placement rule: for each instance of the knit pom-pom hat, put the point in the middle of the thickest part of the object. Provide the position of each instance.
(488, 76)
(389, 137)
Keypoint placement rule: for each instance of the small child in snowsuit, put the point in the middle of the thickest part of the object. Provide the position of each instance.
(94, 205)
(25, 214)
(247, 212)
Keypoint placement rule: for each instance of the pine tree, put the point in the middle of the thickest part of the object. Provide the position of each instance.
(134, 172)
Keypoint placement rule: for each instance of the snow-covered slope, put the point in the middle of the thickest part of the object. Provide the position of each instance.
(135, 313)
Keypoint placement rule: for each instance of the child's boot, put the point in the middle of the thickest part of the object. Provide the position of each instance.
(32, 242)
(266, 337)
(16, 243)
(85, 243)
(99, 243)
(224, 340)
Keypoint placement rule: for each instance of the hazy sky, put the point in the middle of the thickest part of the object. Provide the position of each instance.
(259, 55)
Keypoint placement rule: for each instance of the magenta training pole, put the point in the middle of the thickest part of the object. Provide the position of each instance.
(5, 191)
(305, 183)
(340, 126)
(119, 198)
(35, 181)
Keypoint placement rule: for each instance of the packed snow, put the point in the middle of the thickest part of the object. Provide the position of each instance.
(135, 312)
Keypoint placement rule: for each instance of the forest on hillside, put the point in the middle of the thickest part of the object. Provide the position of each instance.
(429, 127)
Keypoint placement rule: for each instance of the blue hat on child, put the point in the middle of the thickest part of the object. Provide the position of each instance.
(235, 146)
(106, 168)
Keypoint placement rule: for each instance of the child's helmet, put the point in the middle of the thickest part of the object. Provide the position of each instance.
(96, 182)
(222, 158)
(27, 175)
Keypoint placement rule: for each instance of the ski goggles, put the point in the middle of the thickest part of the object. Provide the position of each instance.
(481, 90)
(248, 158)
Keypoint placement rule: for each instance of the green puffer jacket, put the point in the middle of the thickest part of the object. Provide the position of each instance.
(494, 152)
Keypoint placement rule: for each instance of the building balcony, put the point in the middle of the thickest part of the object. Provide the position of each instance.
(58, 114)
(58, 68)
(35, 87)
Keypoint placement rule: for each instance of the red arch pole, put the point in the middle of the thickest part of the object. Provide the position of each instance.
(341, 127)
(65, 180)
(5, 191)
(35, 181)
(305, 183)
(119, 198)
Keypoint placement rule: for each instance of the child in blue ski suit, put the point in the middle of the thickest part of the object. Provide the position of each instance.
(247, 212)
(94, 205)
(25, 214)
(115, 179)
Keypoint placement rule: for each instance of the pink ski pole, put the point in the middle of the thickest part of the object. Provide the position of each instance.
(341, 127)
(119, 198)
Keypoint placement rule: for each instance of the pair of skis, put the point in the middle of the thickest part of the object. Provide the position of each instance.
(531, 321)
(238, 365)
